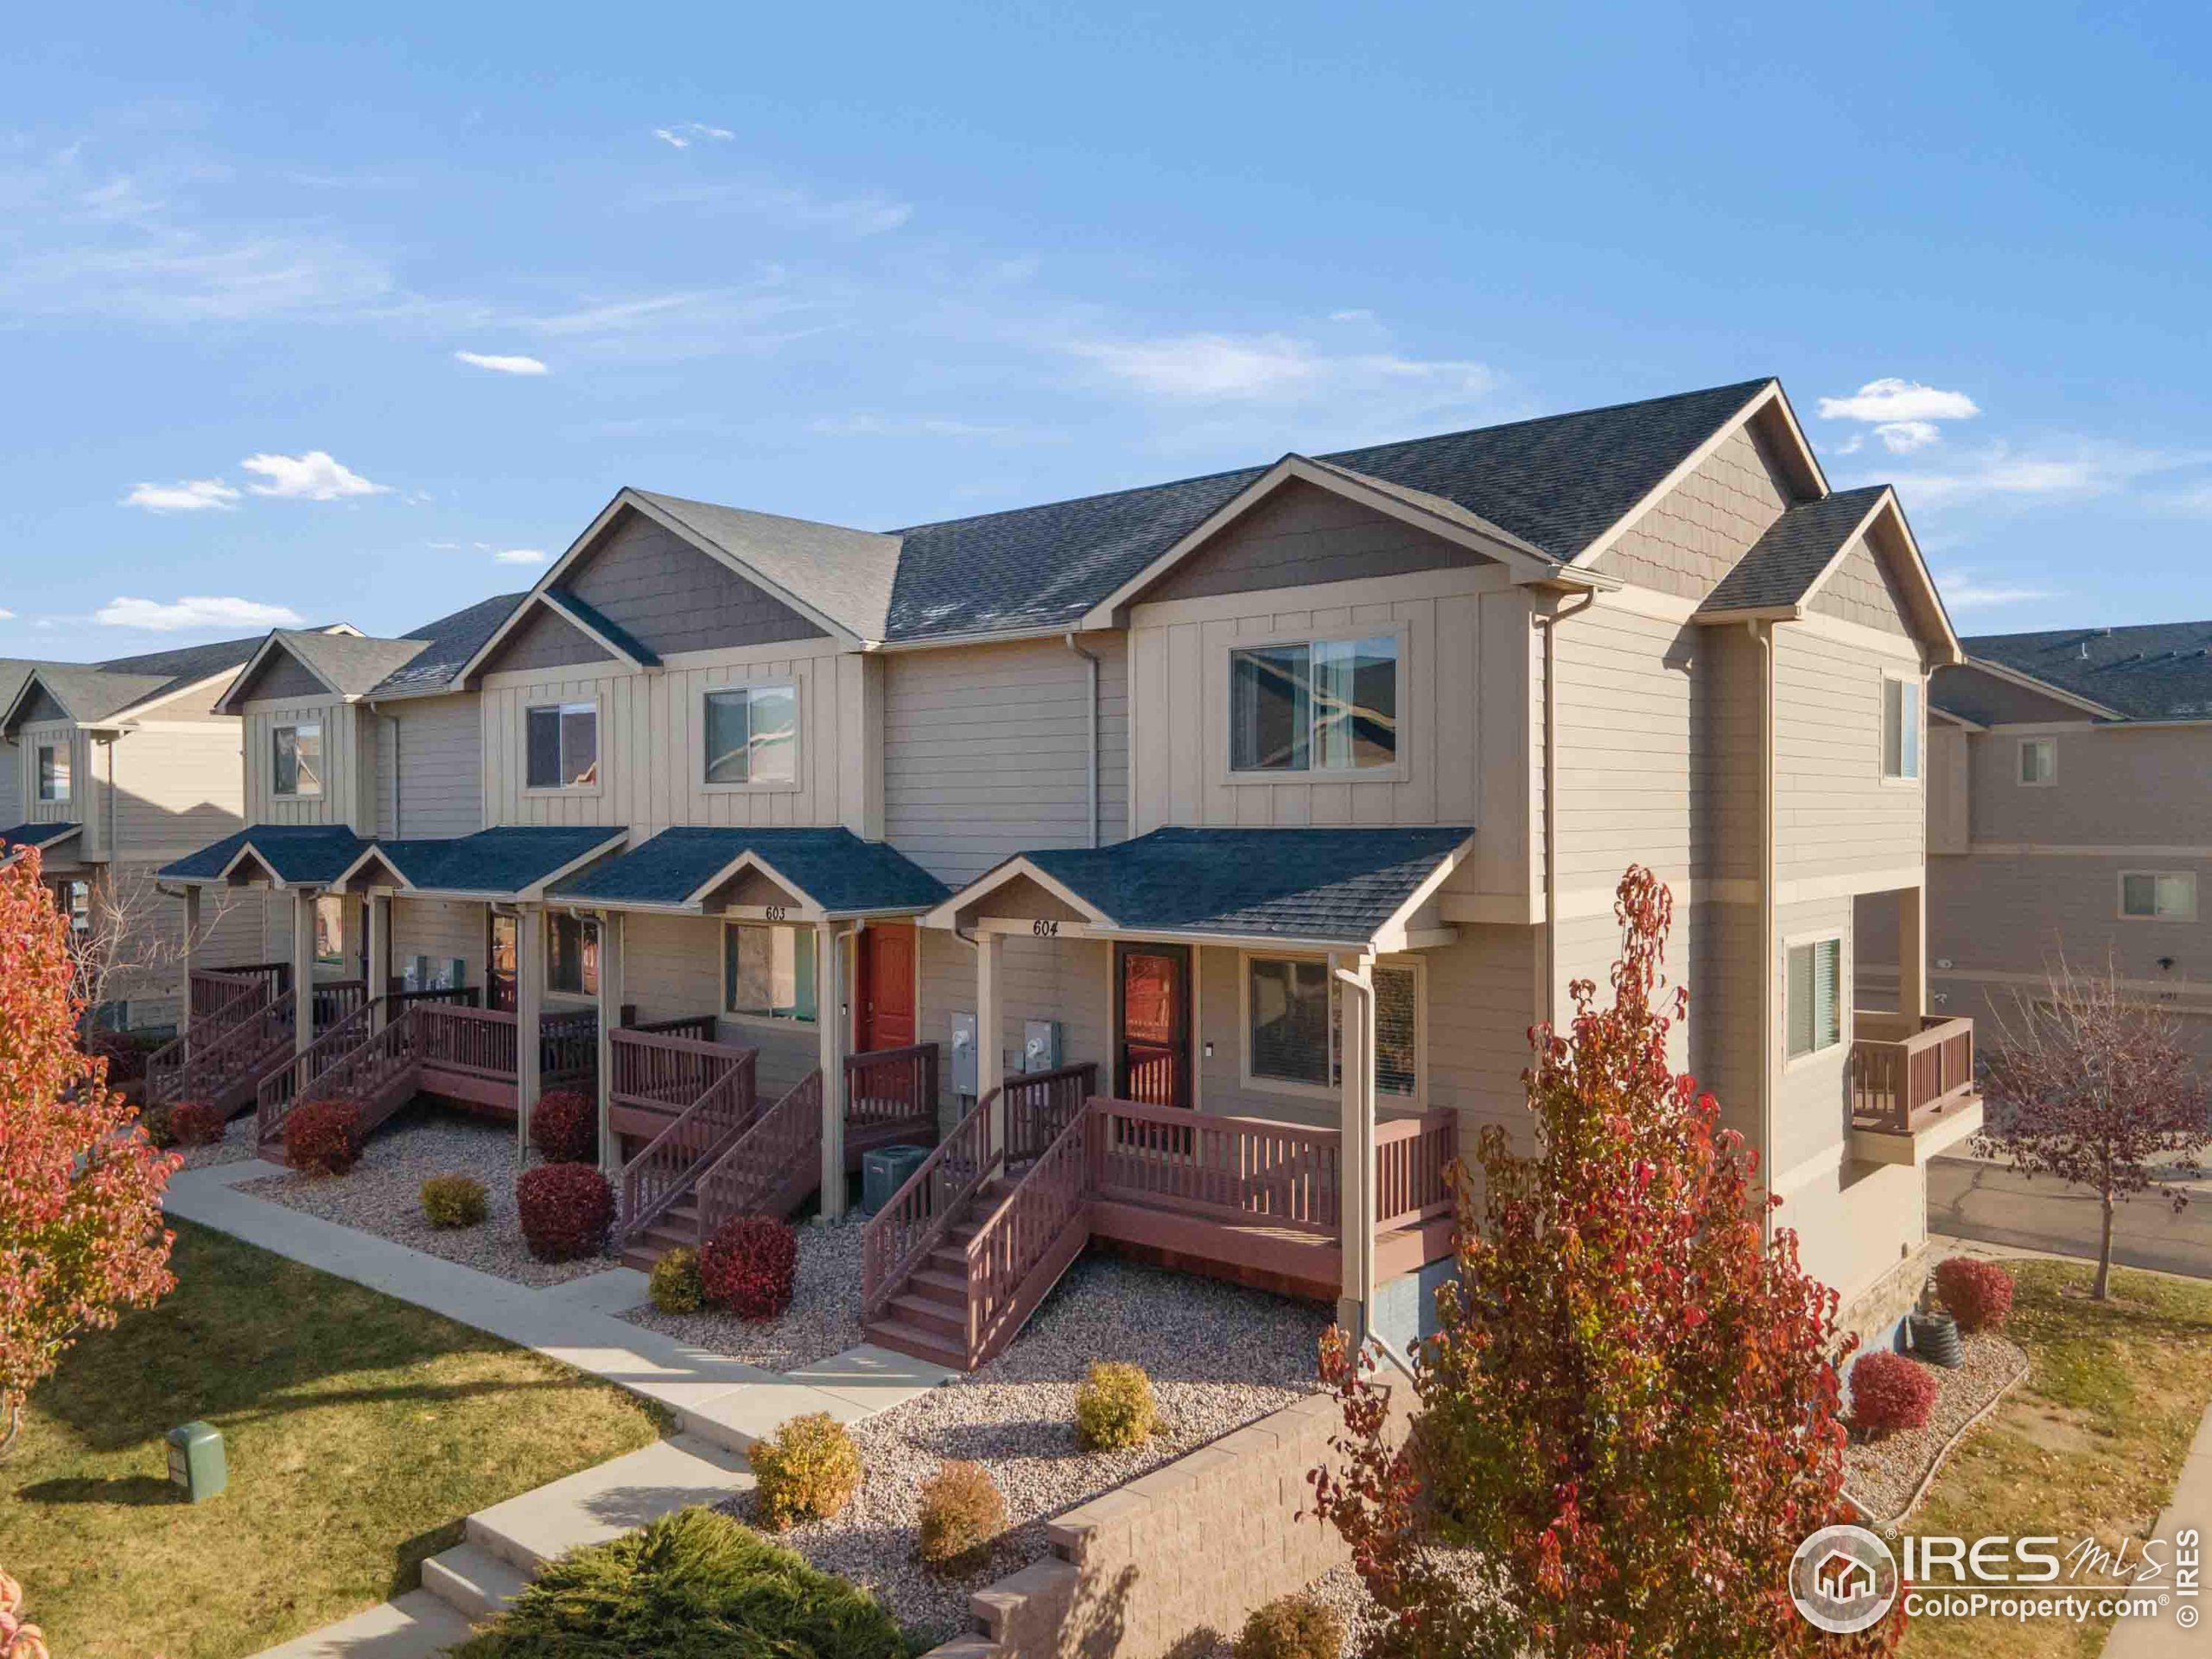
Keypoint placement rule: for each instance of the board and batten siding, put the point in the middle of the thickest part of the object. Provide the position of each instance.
(11, 784)
(33, 735)
(651, 743)
(349, 765)
(985, 751)
(672, 969)
(430, 767)
(441, 929)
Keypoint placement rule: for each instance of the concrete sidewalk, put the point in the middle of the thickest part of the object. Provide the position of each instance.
(2166, 1637)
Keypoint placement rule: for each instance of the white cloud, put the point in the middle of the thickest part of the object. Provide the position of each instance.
(683, 134)
(195, 610)
(194, 495)
(502, 365)
(1895, 399)
(1963, 590)
(2081, 467)
(520, 555)
(312, 477)
(7, 616)
(914, 426)
(1903, 437)
(1271, 368)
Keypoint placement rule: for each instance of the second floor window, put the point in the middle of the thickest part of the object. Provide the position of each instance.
(768, 972)
(1814, 996)
(1321, 705)
(299, 759)
(2149, 896)
(2039, 761)
(571, 956)
(562, 744)
(751, 735)
(1900, 728)
(54, 771)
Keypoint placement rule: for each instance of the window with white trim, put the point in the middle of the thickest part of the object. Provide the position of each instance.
(330, 929)
(1315, 705)
(768, 972)
(2157, 895)
(571, 956)
(2039, 761)
(298, 763)
(1900, 728)
(1293, 1031)
(560, 740)
(54, 771)
(1814, 996)
(752, 735)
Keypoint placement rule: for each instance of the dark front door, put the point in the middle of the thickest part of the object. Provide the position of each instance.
(884, 1016)
(1151, 1016)
(499, 978)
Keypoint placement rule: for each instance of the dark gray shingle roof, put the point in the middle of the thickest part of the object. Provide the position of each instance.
(1305, 884)
(2157, 670)
(37, 835)
(502, 860)
(832, 869)
(1782, 564)
(846, 574)
(104, 688)
(297, 852)
(449, 642)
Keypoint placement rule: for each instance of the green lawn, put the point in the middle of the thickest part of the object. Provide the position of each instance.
(359, 1431)
(2089, 1444)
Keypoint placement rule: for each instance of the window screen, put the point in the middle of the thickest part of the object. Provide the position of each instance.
(52, 771)
(561, 745)
(1900, 728)
(2165, 897)
(2039, 759)
(751, 735)
(1815, 996)
(299, 759)
(1328, 706)
(1291, 1006)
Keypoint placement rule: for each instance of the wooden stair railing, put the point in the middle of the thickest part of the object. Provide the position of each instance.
(1029, 1240)
(377, 1075)
(1040, 1104)
(568, 1049)
(773, 1167)
(244, 996)
(219, 1067)
(665, 1069)
(906, 1229)
(672, 1163)
(274, 1099)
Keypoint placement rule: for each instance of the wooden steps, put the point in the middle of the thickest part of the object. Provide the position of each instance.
(678, 1225)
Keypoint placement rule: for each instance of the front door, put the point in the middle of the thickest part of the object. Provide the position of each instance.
(499, 976)
(883, 1007)
(1151, 1016)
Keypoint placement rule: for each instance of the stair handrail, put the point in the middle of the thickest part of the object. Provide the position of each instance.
(915, 1220)
(288, 1081)
(372, 1061)
(743, 1178)
(218, 1056)
(1032, 1099)
(176, 1055)
(694, 1140)
(1051, 1196)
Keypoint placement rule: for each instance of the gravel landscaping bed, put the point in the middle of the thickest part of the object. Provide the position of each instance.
(823, 1319)
(1218, 1357)
(1883, 1475)
(381, 1194)
(235, 1148)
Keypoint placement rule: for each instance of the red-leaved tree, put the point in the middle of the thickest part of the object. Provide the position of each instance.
(81, 1184)
(1628, 1421)
(2093, 1087)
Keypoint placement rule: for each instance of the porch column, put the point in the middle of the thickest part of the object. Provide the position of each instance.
(529, 1005)
(830, 1021)
(1912, 952)
(990, 1036)
(191, 960)
(1355, 1150)
(379, 916)
(302, 970)
(610, 1016)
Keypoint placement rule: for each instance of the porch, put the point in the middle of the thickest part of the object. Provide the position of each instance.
(1912, 1086)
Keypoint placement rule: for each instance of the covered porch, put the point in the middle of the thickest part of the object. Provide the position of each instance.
(1913, 1092)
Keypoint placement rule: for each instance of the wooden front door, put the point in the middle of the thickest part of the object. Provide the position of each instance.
(499, 976)
(883, 1004)
(1152, 1017)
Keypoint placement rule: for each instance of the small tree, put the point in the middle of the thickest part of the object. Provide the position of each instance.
(2091, 1086)
(132, 941)
(80, 1185)
(1629, 1417)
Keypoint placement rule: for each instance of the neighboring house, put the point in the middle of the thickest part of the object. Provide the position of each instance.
(2070, 816)
(1270, 808)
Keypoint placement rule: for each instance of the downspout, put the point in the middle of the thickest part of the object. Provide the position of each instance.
(1091, 714)
(1363, 1174)
(1550, 627)
(1764, 633)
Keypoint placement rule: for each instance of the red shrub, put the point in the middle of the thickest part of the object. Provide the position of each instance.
(566, 1209)
(322, 1136)
(1889, 1391)
(564, 1128)
(196, 1123)
(748, 1265)
(1978, 1294)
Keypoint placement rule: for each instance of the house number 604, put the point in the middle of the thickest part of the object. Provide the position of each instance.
(1045, 930)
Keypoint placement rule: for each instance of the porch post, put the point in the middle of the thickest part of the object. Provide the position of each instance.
(191, 959)
(302, 970)
(529, 1005)
(1912, 952)
(610, 1016)
(1355, 1205)
(379, 960)
(990, 1037)
(830, 1021)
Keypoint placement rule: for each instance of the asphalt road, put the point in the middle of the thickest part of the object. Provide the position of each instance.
(1989, 1202)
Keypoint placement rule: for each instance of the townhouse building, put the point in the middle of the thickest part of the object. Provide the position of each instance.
(1188, 862)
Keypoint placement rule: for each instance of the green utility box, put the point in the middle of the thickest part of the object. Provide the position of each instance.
(196, 1460)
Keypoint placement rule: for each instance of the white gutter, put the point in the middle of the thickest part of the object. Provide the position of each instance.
(1550, 627)
(1091, 718)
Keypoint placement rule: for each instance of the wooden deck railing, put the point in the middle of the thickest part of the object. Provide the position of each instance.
(700, 1027)
(397, 1002)
(568, 1049)
(296, 1079)
(1031, 1233)
(217, 1001)
(1412, 1164)
(368, 1071)
(692, 1143)
(1245, 1169)
(905, 1230)
(210, 987)
(890, 1085)
(654, 1068)
(473, 1042)
(1901, 1068)
(772, 1165)
(1040, 1104)
(337, 1000)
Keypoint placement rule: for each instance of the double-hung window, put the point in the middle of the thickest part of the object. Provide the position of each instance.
(298, 761)
(1294, 1026)
(768, 972)
(571, 956)
(2039, 761)
(562, 744)
(1316, 705)
(1900, 728)
(1814, 995)
(751, 735)
(54, 771)
(2156, 896)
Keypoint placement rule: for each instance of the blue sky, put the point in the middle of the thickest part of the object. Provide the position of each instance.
(346, 313)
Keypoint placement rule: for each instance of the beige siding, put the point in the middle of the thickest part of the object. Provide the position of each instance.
(1859, 590)
(1836, 817)
(1857, 1221)
(177, 788)
(1950, 788)
(1812, 1104)
(1067, 980)
(1694, 535)
(282, 677)
(11, 784)
(2013, 914)
(985, 752)
(1303, 535)
(348, 760)
(430, 767)
(439, 928)
(2117, 785)
(671, 968)
(78, 809)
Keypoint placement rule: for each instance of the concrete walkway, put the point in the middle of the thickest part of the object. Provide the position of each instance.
(720, 1405)
(2166, 1637)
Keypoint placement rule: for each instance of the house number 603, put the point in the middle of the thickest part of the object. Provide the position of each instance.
(779, 912)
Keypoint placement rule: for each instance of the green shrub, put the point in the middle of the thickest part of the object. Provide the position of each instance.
(675, 1283)
(1114, 1407)
(693, 1585)
(154, 1120)
(1294, 1627)
(808, 1470)
(454, 1201)
(961, 1512)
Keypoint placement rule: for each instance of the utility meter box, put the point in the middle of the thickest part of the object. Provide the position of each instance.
(196, 1460)
(1040, 1045)
(966, 1064)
